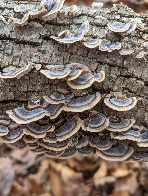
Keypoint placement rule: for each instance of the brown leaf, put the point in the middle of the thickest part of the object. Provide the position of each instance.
(39, 180)
(56, 183)
(18, 190)
(101, 172)
(105, 180)
(128, 184)
(120, 173)
(121, 193)
(76, 186)
(6, 176)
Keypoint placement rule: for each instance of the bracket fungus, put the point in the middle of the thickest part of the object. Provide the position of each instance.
(106, 45)
(18, 145)
(120, 102)
(82, 141)
(29, 139)
(133, 25)
(97, 5)
(95, 124)
(120, 152)
(98, 142)
(13, 72)
(67, 37)
(136, 133)
(78, 76)
(20, 22)
(53, 153)
(86, 80)
(68, 152)
(21, 8)
(83, 103)
(47, 10)
(126, 51)
(85, 150)
(123, 27)
(68, 129)
(56, 71)
(140, 54)
(13, 135)
(76, 70)
(91, 43)
(58, 146)
(118, 26)
(52, 8)
(119, 125)
(4, 127)
(22, 115)
(74, 11)
(58, 98)
(37, 131)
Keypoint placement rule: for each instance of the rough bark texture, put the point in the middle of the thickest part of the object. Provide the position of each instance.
(33, 43)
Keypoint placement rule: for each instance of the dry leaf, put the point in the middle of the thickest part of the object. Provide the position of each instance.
(67, 173)
(76, 186)
(128, 184)
(18, 190)
(6, 176)
(39, 180)
(56, 183)
(105, 180)
(120, 173)
(101, 172)
(119, 193)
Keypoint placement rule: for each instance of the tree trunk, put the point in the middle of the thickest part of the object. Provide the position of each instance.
(32, 43)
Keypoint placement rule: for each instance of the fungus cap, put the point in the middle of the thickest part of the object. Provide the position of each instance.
(56, 71)
(58, 146)
(56, 6)
(71, 38)
(68, 152)
(126, 51)
(68, 129)
(20, 22)
(120, 103)
(21, 8)
(96, 124)
(97, 5)
(86, 80)
(101, 144)
(92, 43)
(83, 103)
(85, 150)
(38, 131)
(13, 72)
(118, 153)
(120, 124)
(118, 26)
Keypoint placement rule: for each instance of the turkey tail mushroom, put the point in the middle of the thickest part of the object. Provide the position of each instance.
(120, 102)
(117, 153)
(68, 38)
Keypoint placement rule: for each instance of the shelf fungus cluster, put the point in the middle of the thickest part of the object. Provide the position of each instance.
(78, 76)
(39, 127)
(47, 10)
(65, 137)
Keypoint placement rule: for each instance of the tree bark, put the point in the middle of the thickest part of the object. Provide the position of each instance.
(125, 74)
